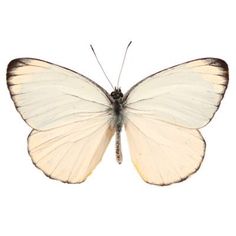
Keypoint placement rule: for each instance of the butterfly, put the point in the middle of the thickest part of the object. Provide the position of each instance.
(73, 118)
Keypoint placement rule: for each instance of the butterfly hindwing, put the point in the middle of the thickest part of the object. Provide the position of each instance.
(161, 152)
(71, 152)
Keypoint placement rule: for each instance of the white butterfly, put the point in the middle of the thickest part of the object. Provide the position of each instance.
(73, 118)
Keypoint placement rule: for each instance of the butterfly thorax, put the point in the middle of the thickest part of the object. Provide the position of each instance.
(117, 95)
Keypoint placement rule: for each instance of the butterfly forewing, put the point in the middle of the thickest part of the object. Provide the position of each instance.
(49, 96)
(187, 95)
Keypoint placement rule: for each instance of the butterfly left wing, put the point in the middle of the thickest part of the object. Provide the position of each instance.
(187, 95)
(70, 115)
(163, 112)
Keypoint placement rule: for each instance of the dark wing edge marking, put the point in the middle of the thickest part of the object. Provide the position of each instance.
(23, 62)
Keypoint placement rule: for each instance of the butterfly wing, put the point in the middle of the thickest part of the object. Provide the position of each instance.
(163, 113)
(161, 152)
(69, 113)
(48, 96)
(70, 153)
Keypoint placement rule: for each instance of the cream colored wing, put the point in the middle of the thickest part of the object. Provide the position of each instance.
(187, 94)
(161, 152)
(163, 112)
(70, 114)
(49, 96)
(71, 152)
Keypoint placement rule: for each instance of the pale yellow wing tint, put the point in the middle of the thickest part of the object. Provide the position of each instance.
(70, 153)
(187, 94)
(49, 96)
(163, 153)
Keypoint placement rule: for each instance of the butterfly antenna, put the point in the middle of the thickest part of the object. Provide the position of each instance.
(101, 67)
(122, 65)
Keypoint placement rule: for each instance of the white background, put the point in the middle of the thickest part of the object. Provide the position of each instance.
(114, 200)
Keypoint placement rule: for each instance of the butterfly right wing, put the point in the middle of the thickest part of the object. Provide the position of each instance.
(49, 96)
(70, 153)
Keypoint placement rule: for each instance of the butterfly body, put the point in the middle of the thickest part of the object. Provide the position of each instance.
(73, 119)
(118, 107)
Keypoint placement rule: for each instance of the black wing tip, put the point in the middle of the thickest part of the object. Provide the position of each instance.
(219, 63)
(16, 63)
(12, 65)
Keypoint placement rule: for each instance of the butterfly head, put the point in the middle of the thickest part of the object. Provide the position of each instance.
(117, 94)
